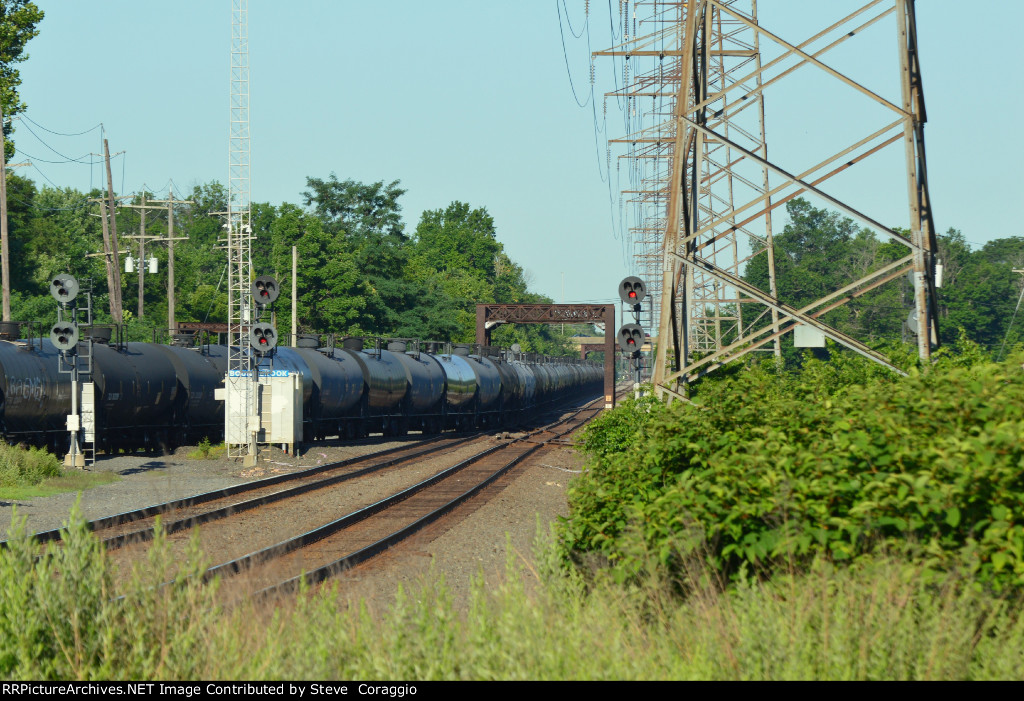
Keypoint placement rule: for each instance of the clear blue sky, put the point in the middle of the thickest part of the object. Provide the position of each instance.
(466, 101)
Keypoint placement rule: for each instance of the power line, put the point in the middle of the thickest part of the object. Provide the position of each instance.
(43, 142)
(24, 117)
(44, 160)
(565, 55)
(586, 20)
(55, 185)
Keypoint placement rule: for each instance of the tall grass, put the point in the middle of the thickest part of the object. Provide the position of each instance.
(60, 619)
(30, 472)
(21, 467)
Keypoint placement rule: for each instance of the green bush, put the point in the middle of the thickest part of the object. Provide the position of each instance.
(206, 451)
(61, 616)
(21, 466)
(611, 430)
(776, 469)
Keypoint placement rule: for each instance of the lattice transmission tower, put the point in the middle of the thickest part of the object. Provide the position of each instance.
(241, 392)
(652, 50)
(703, 186)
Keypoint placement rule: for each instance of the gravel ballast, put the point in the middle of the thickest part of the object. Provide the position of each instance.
(505, 515)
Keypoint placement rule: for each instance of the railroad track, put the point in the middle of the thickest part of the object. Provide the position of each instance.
(325, 548)
(136, 526)
(360, 535)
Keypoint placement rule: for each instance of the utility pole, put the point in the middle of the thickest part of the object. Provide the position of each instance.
(142, 256)
(295, 296)
(111, 257)
(172, 324)
(116, 310)
(141, 265)
(5, 243)
(111, 260)
(4, 240)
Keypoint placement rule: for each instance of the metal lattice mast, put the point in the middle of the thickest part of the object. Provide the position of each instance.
(652, 50)
(722, 187)
(240, 405)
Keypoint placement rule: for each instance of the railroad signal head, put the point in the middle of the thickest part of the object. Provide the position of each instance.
(63, 288)
(265, 290)
(64, 335)
(631, 338)
(632, 290)
(262, 338)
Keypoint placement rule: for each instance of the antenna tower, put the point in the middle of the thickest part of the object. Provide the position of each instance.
(240, 399)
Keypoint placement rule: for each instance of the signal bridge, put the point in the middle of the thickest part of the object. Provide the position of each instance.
(586, 344)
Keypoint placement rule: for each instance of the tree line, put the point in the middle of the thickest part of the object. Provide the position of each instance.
(820, 251)
(359, 273)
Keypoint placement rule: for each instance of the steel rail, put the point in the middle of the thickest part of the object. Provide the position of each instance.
(244, 563)
(154, 510)
(204, 497)
(145, 534)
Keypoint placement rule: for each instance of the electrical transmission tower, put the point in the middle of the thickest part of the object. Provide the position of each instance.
(656, 65)
(695, 78)
(241, 392)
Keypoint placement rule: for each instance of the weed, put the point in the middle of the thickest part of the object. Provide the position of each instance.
(206, 451)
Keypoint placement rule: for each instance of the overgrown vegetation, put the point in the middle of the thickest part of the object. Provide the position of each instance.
(24, 466)
(70, 480)
(828, 522)
(61, 617)
(27, 472)
(831, 460)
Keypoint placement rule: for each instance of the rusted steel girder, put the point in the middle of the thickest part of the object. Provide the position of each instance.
(212, 327)
(490, 315)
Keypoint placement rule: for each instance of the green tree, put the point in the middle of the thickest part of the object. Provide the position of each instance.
(458, 239)
(979, 288)
(18, 20)
(353, 207)
(326, 274)
(457, 249)
(814, 254)
(818, 252)
(199, 266)
(367, 220)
